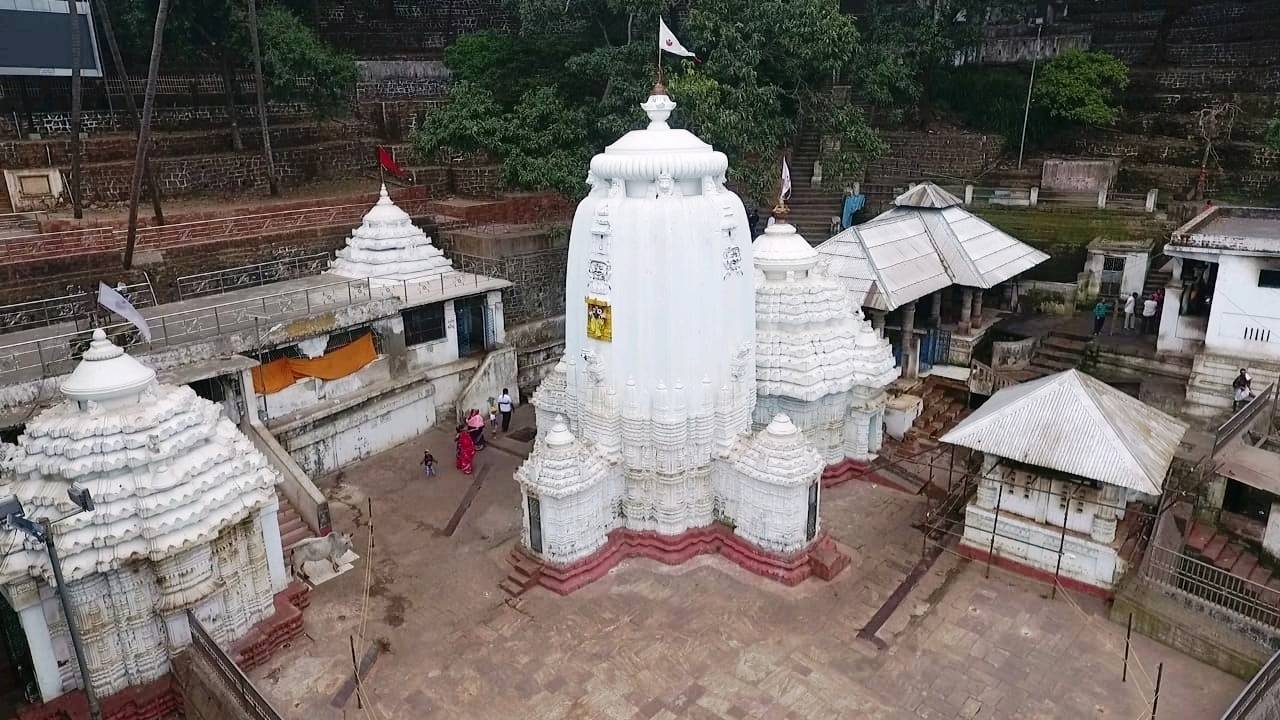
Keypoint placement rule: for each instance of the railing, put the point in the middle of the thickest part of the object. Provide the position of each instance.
(67, 308)
(254, 705)
(1239, 596)
(237, 278)
(1263, 688)
(51, 355)
(27, 248)
(1242, 419)
(975, 195)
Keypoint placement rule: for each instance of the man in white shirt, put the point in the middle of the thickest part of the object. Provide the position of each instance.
(1130, 305)
(1149, 316)
(505, 406)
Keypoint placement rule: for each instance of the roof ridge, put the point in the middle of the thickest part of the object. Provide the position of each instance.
(1115, 430)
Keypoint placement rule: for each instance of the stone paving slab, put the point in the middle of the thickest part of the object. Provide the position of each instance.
(701, 640)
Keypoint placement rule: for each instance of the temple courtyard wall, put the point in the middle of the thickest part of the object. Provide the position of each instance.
(701, 640)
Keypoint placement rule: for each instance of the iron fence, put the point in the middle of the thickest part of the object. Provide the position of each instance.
(259, 316)
(1261, 697)
(79, 306)
(1243, 418)
(1185, 574)
(254, 705)
(245, 276)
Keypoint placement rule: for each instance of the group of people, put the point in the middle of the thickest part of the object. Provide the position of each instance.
(469, 437)
(1134, 308)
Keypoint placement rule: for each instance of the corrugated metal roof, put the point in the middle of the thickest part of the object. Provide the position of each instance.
(927, 195)
(1076, 424)
(906, 253)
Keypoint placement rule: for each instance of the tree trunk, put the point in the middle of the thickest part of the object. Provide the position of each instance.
(1173, 12)
(144, 131)
(132, 106)
(77, 207)
(229, 93)
(262, 98)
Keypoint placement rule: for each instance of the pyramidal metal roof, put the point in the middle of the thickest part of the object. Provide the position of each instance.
(1076, 424)
(926, 243)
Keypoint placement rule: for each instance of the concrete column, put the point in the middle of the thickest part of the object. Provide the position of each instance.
(25, 598)
(977, 308)
(498, 330)
(1271, 538)
(268, 518)
(1034, 198)
(968, 195)
(877, 321)
(1153, 195)
(910, 359)
(391, 331)
(935, 308)
(1102, 198)
(966, 306)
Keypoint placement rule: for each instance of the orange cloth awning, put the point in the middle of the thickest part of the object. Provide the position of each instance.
(280, 374)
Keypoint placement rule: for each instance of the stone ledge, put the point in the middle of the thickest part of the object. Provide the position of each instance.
(822, 558)
(160, 698)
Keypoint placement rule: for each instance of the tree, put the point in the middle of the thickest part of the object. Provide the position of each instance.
(77, 208)
(299, 66)
(1080, 87)
(766, 62)
(1272, 137)
(144, 132)
(259, 85)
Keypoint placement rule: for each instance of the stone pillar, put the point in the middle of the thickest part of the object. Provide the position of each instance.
(968, 195)
(267, 517)
(910, 358)
(1153, 195)
(877, 321)
(24, 596)
(935, 308)
(987, 492)
(977, 308)
(1104, 526)
(1033, 199)
(391, 331)
(966, 305)
(494, 315)
(1270, 538)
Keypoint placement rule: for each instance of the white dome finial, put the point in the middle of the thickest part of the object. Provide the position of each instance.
(658, 107)
(106, 372)
(383, 197)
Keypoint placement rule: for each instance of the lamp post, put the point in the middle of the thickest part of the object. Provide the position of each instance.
(12, 514)
(1026, 113)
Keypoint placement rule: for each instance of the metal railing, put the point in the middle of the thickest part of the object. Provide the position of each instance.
(40, 246)
(254, 705)
(76, 307)
(1242, 419)
(1263, 688)
(52, 356)
(1185, 574)
(245, 276)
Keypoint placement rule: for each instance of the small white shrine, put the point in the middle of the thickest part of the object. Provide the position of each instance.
(185, 517)
(644, 443)
(817, 359)
(388, 247)
(1062, 456)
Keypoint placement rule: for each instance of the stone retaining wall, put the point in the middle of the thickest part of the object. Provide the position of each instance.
(58, 124)
(914, 156)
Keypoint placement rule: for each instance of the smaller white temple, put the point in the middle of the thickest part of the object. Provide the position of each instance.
(817, 359)
(185, 517)
(1062, 456)
(388, 247)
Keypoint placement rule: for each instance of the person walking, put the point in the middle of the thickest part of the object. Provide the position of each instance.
(1241, 390)
(429, 463)
(466, 451)
(505, 406)
(1149, 315)
(1099, 316)
(1130, 307)
(475, 427)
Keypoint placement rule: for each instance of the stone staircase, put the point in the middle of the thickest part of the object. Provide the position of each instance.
(1207, 544)
(1156, 278)
(811, 208)
(905, 464)
(1059, 350)
(293, 529)
(1209, 388)
(523, 576)
(17, 224)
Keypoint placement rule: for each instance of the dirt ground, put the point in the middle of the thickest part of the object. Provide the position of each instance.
(702, 640)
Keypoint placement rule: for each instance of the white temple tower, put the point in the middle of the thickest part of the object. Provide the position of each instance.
(389, 248)
(644, 444)
(817, 359)
(185, 517)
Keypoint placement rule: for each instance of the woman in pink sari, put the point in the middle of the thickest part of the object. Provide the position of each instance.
(475, 426)
(466, 451)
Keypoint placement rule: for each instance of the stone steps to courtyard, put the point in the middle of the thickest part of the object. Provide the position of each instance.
(1223, 551)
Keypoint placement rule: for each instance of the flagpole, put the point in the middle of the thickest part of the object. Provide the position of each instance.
(659, 63)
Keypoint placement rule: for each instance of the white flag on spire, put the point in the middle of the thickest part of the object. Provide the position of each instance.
(786, 180)
(111, 299)
(667, 41)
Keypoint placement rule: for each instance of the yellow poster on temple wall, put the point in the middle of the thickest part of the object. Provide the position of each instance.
(599, 320)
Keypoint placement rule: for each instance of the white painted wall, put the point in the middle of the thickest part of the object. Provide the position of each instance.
(309, 392)
(1244, 320)
(1135, 271)
(1036, 546)
(1271, 538)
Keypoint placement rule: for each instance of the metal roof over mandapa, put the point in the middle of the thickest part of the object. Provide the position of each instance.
(1076, 424)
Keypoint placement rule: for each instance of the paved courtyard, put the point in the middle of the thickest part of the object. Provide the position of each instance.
(702, 640)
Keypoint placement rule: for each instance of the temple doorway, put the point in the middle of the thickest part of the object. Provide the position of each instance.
(470, 312)
(17, 673)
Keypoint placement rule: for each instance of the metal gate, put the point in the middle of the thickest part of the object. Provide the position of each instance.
(811, 523)
(935, 348)
(1112, 273)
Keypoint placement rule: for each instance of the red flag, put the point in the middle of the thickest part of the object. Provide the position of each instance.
(388, 162)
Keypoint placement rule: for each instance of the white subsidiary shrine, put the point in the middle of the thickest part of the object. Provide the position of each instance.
(388, 247)
(1063, 456)
(185, 517)
(645, 442)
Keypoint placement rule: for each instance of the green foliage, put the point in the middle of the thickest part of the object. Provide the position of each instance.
(470, 122)
(1080, 87)
(1272, 138)
(991, 99)
(292, 51)
(561, 95)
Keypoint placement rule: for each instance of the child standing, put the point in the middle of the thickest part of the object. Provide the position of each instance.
(493, 415)
(429, 463)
